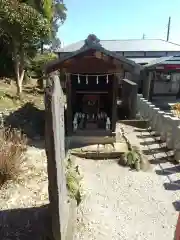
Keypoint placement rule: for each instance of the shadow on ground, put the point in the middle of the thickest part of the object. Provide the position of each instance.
(26, 224)
(40, 143)
(29, 119)
(177, 206)
(169, 171)
(151, 142)
(156, 147)
(172, 186)
(144, 136)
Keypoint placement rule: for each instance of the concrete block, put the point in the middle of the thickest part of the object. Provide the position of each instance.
(154, 118)
(150, 111)
(158, 123)
(173, 123)
(177, 144)
(164, 125)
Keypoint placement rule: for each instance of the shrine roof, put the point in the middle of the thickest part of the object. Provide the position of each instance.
(91, 43)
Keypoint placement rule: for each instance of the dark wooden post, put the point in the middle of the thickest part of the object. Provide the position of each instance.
(114, 102)
(55, 151)
(69, 104)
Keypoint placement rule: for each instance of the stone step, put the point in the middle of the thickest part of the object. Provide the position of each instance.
(92, 132)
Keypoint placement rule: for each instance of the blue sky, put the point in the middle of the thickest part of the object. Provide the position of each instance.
(120, 19)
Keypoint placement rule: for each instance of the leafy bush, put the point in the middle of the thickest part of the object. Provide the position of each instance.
(36, 65)
(134, 159)
(73, 181)
(12, 145)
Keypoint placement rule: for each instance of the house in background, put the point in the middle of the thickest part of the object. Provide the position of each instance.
(161, 78)
(142, 51)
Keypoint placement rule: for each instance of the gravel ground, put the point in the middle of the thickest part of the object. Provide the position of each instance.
(118, 203)
(31, 188)
(24, 211)
(123, 204)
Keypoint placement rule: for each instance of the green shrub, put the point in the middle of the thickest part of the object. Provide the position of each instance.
(134, 158)
(2, 94)
(73, 181)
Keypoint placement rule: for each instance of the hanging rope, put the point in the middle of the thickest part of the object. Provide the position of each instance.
(97, 80)
(107, 79)
(79, 79)
(93, 75)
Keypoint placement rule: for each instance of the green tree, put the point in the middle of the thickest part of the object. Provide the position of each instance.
(24, 26)
(55, 13)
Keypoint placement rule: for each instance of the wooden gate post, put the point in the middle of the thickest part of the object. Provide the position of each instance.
(114, 102)
(55, 151)
(69, 104)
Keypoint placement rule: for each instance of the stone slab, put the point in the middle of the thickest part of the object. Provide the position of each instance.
(101, 151)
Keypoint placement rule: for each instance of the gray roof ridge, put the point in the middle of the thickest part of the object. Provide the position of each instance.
(131, 39)
(170, 42)
(127, 39)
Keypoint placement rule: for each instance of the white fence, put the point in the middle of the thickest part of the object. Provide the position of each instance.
(165, 124)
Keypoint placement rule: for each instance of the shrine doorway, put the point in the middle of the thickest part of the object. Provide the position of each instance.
(92, 100)
(90, 104)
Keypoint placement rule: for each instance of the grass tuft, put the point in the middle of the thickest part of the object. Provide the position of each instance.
(73, 181)
(12, 146)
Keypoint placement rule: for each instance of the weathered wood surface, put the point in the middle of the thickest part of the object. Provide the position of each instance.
(55, 150)
(129, 97)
